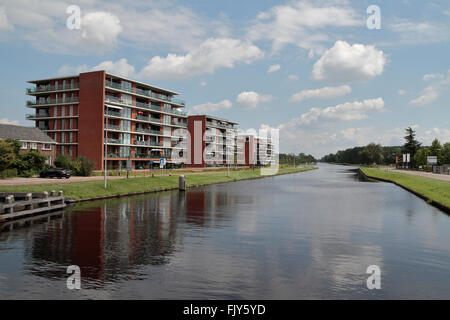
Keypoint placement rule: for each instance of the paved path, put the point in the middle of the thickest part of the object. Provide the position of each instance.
(444, 177)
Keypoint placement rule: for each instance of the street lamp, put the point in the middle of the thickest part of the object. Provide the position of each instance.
(106, 147)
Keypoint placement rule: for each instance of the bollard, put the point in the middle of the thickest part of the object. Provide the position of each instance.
(29, 197)
(9, 199)
(182, 183)
(60, 193)
(53, 193)
(45, 194)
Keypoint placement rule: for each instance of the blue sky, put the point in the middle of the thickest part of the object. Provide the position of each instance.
(312, 69)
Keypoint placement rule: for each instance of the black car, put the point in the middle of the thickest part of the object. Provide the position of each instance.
(55, 173)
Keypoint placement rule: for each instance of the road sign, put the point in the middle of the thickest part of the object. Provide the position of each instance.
(432, 160)
(162, 163)
(408, 158)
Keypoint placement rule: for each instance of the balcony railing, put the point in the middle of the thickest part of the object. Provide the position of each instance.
(113, 127)
(150, 94)
(52, 101)
(52, 88)
(114, 99)
(32, 116)
(113, 113)
(114, 141)
(181, 124)
(118, 155)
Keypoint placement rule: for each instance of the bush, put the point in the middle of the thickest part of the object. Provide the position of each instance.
(30, 163)
(80, 166)
(8, 173)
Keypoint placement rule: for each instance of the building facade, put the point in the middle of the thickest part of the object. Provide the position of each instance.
(93, 111)
(30, 139)
(120, 122)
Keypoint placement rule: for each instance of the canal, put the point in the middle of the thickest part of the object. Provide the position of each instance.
(309, 235)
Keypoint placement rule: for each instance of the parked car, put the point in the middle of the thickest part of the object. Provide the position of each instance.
(55, 173)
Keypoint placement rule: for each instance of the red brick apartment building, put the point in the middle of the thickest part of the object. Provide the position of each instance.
(89, 112)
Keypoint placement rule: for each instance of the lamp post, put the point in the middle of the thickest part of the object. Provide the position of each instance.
(106, 148)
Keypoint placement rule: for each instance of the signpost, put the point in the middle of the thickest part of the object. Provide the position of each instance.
(432, 160)
(407, 160)
(151, 166)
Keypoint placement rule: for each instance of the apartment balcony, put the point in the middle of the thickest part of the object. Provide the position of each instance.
(149, 131)
(49, 88)
(52, 102)
(114, 99)
(113, 127)
(181, 124)
(148, 118)
(113, 113)
(118, 155)
(147, 143)
(37, 116)
(114, 141)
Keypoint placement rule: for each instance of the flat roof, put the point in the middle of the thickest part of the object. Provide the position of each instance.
(107, 74)
(218, 119)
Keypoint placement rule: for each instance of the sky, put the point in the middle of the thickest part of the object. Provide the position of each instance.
(329, 74)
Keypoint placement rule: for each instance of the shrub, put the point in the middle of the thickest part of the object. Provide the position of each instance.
(8, 173)
(86, 166)
(80, 166)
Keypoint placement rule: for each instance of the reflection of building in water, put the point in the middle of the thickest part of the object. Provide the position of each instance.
(113, 238)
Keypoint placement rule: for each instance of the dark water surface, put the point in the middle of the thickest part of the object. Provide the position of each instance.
(309, 235)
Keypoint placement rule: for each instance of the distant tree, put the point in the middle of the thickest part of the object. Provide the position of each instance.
(371, 154)
(445, 154)
(412, 145)
(420, 159)
(436, 149)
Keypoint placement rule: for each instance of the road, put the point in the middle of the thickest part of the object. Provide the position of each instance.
(443, 177)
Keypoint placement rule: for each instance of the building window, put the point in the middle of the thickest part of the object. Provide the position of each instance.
(24, 145)
(46, 146)
(33, 145)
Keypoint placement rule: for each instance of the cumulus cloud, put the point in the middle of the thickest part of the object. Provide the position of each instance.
(209, 56)
(100, 29)
(348, 63)
(302, 23)
(211, 107)
(415, 32)
(439, 82)
(348, 111)
(5, 25)
(251, 99)
(119, 67)
(322, 93)
(293, 77)
(274, 68)
(7, 121)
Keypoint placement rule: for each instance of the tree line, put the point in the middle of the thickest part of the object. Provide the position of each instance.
(377, 154)
(301, 158)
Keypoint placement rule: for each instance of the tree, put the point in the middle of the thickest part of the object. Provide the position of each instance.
(445, 154)
(7, 154)
(436, 149)
(420, 159)
(372, 153)
(30, 163)
(412, 145)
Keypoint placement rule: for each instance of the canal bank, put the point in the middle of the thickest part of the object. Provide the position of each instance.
(94, 190)
(434, 192)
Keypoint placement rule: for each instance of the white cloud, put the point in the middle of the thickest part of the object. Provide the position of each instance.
(7, 121)
(303, 23)
(428, 96)
(322, 93)
(251, 99)
(293, 77)
(347, 63)
(209, 56)
(100, 29)
(416, 32)
(401, 92)
(439, 82)
(120, 67)
(348, 111)
(5, 25)
(211, 107)
(274, 68)
(442, 134)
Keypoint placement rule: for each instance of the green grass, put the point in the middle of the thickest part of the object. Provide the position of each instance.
(436, 190)
(93, 189)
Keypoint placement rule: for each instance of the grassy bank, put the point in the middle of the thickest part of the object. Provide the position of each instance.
(95, 189)
(436, 192)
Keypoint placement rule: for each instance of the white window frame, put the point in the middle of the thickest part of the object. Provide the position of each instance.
(24, 145)
(44, 146)
(33, 145)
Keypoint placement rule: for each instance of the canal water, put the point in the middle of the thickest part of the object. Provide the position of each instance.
(309, 235)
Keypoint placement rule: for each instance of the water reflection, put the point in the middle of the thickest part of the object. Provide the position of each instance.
(308, 235)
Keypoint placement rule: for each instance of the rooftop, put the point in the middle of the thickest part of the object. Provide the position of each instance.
(23, 133)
